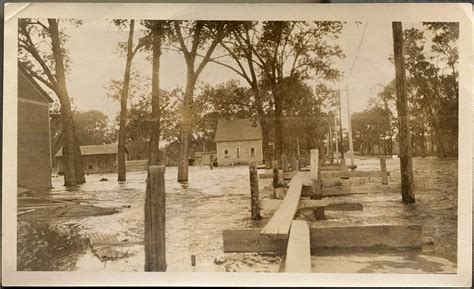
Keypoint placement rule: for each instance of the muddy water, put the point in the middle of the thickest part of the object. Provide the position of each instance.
(197, 213)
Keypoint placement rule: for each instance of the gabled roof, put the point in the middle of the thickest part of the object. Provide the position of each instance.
(108, 149)
(25, 79)
(238, 130)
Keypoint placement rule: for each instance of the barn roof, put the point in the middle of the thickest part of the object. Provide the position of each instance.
(238, 130)
(108, 149)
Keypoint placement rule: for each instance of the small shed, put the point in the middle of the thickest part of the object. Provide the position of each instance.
(204, 158)
(95, 158)
(238, 141)
(34, 144)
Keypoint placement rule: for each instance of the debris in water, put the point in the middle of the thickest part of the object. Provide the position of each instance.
(220, 260)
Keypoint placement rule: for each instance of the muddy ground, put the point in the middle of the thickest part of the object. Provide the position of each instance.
(212, 201)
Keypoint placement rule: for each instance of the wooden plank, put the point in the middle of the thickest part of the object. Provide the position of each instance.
(375, 236)
(289, 175)
(343, 237)
(279, 224)
(330, 168)
(298, 251)
(352, 174)
(314, 164)
(250, 240)
(331, 205)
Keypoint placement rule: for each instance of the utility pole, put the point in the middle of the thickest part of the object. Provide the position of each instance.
(340, 124)
(336, 137)
(298, 145)
(331, 152)
(349, 127)
(406, 166)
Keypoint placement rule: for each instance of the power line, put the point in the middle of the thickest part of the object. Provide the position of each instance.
(358, 49)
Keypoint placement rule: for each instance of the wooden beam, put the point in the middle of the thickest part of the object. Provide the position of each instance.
(289, 175)
(279, 224)
(331, 205)
(347, 237)
(250, 240)
(298, 251)
(352, 174)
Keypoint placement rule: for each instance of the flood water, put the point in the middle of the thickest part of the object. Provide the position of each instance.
(215, 200)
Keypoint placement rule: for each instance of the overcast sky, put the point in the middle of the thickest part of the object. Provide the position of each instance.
(94, 61)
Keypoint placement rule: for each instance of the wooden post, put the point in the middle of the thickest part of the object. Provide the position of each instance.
(336, 137)
(340, 124)
(349, 128)
(254, 205)
(275, 174)
(315, 179)
(406, 167)
(331, 151)
(383, 170)
(284, 163)
(294, 164)
(343, 165)
(155, 209)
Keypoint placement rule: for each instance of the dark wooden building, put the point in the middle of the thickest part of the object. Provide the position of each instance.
(34, 145)
(95, 158)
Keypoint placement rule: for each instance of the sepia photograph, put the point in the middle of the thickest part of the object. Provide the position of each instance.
(238, 144)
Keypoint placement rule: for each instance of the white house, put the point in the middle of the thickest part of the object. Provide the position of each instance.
(238, 141)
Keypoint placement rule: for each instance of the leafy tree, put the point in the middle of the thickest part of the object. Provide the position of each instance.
(131, 51)
(93, 127)
(194, 38)
(43, 56)
(223, 101)
(372, 127)
(432, 87)
(141, 122)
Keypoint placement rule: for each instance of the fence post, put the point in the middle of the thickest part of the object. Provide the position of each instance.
(284, 163)
(315, 179)
(383, 170)
(254, 206)
(343, 165)
(155, 206)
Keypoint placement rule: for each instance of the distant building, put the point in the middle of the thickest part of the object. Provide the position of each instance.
(238, 141)
(34, 145)
(95, 158)
(204, 158)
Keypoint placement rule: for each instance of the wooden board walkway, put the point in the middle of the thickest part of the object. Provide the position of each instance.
(279, 224)
(298, 251)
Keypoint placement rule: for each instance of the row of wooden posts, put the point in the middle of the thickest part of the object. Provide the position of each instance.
(155, 204)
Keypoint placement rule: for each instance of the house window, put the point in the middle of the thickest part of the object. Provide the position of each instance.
(238, 153)
(226, 153)
(252, 152)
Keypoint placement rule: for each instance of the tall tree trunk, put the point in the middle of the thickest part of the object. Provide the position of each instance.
(406, 167)
(79, 167)
(267, 158)
(122, 172)
(73, 171)
(187, 125)
(278, 122)
(155, 99)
